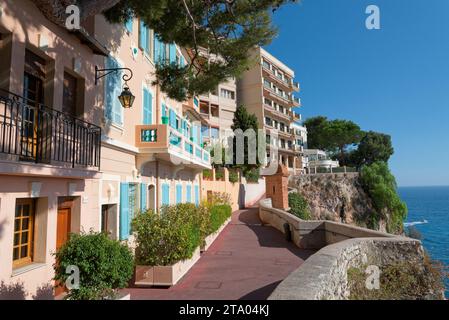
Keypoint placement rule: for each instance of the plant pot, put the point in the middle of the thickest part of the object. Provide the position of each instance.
(164, 275)
(164, 120)
(213, 236)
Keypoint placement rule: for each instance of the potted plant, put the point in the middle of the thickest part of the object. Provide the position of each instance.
(168, 243)
(164, 120)
(104, 265)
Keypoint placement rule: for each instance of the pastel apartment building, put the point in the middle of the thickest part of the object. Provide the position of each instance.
(267, 91)
(72, 159)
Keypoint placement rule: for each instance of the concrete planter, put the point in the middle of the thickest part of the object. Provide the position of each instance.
(164, 275)
(211, 238)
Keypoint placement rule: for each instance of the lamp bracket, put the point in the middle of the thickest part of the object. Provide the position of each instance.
(105, 72)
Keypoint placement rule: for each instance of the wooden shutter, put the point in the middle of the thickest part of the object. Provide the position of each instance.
(147, 107)
(197, 195)
(165, 194)
(143, 197)
(178, 193)
(124, 211)
(189, 194)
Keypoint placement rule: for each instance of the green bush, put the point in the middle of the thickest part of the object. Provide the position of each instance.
(218, 215)
(207, 174)
(403, 280)
(298, 206)
(252, 175)
(380, 185)
(170, 236)
(104, 265)
(219, 174)
(233, 176)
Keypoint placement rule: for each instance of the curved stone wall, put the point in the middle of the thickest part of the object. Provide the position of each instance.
(342, 246)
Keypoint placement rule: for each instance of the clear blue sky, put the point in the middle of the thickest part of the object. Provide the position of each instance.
(394, 80)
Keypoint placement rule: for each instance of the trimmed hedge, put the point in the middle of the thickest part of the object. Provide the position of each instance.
(218, 215)
(170, 236)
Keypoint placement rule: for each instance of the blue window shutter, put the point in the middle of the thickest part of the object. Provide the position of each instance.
(165, 194)
(172, 49)
(157, 50)
(178, 193)
(197, 195)
(172, 118)
(183, 62)
(147, 107)
(189, 194)
(113, 88)
(195, 133)
(143, 197)
(124, 211)
(129, 25)
(143, 40)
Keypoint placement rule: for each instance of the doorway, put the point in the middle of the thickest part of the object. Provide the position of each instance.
(63, 229)
(152, 197)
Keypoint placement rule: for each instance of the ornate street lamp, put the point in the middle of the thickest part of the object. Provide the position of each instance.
(126, 98)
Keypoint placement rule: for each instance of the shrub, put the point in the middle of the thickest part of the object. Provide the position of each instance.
(298, 206)
(219, 174)
(171, 236)
(104, 265)
(252, 175)
(218, 198)
(233, 176)
(403, 280)
(380, 185)
(218, 215)
(207, 174)
(413, 232)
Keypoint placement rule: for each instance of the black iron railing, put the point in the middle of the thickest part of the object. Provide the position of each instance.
(40, 134)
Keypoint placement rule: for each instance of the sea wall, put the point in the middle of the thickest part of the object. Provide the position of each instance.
(341, 246)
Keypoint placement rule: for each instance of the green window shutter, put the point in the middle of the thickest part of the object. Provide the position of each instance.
(143, 197)
(147, 107)
(124, 211)
(178, 193)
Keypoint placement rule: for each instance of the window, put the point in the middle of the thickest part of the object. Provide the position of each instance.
(146, 39)
(214, 110)
(267, 83)
(266, 64)
(214, 133)
(178, 193)
(165, 194)
(113, 89)
(268, 121)
(129, 25)
(268, 102)
(228, 94)
(23, 232)
(70, 85)
(147, 107)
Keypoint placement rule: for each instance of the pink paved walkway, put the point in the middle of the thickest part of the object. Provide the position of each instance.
(247, 261)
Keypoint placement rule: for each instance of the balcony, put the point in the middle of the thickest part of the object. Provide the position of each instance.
(296, 86)
(32, 133)
(276, 113)
(296, 102)
(168, 144)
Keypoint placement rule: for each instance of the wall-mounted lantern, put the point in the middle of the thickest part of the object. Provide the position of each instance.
(126, 98)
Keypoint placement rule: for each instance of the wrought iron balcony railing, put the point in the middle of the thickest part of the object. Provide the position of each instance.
(36, 133)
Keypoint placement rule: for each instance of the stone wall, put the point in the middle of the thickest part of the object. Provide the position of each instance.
(341, 246)
(336, 197)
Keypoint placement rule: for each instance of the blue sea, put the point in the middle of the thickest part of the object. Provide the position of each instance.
(428, 211)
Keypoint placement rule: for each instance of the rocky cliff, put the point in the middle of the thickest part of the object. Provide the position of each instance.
(337, 197)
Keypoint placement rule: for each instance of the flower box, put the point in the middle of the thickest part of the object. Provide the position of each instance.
(211, 238)
(164, 275)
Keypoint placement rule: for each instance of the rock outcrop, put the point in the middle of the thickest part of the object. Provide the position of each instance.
(337, 197)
